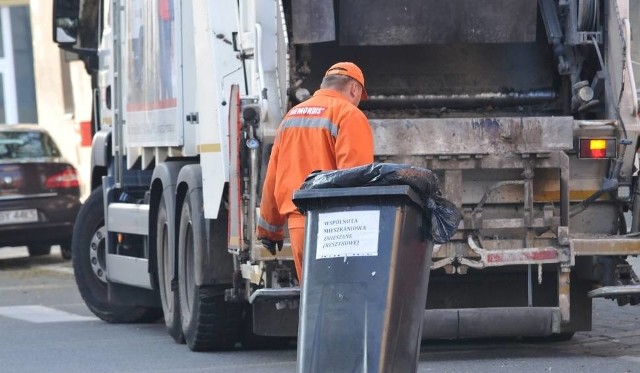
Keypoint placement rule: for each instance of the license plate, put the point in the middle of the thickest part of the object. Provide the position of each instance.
(18, 216)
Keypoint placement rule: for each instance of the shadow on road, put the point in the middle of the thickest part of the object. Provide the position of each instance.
(13, 258)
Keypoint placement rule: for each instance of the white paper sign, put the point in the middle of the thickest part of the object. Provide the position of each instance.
(351, 233)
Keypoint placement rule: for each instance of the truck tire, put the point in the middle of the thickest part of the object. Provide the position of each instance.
(165, 262)
(88, 244)
(208, 322)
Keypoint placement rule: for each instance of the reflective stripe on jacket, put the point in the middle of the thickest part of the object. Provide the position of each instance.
(324, 133)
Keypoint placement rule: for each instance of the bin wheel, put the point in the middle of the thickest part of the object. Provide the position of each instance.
(166, 264)
(208, 321)
(88, 244)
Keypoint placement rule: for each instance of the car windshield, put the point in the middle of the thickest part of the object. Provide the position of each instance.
(23, 144)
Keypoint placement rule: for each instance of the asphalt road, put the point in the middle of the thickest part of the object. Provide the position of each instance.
(45, 327)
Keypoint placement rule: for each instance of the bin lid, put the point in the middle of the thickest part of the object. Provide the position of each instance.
(303, 198)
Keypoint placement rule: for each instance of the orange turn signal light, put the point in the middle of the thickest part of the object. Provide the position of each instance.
(598, 148)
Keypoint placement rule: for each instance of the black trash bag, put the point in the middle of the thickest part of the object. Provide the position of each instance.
(440, 212)
(423, 181)
(445, 218)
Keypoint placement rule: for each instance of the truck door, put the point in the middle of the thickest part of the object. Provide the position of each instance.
(190, 115)
(634, 23)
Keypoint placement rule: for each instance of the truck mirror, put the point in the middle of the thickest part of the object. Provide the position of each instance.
(65, 21)
(65, 31)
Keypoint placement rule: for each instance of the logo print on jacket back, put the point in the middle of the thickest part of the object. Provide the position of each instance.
(307, 110)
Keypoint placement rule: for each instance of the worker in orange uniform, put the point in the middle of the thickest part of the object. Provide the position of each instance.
(326, 132)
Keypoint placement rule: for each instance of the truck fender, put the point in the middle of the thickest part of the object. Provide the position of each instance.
(163, 185)
(213, 263)
(100, 156)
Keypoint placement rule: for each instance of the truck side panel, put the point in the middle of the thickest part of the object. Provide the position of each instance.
(152, 54)
(218, 68)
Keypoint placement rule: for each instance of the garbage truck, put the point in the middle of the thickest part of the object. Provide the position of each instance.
(526, 110)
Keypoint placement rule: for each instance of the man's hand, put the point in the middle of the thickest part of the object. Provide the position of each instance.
(271, 245)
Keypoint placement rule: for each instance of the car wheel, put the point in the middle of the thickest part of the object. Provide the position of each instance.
(39, 249)
(65, 250)
(89, 265)
(165, 263)
(208, 321)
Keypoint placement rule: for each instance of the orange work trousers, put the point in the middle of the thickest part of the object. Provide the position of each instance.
(295, 223)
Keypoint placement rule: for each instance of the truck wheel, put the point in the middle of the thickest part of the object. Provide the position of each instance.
(208, 321)
(39, 249)
(165, 263)
(89, 254)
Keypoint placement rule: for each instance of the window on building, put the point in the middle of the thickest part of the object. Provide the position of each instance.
(17, 81)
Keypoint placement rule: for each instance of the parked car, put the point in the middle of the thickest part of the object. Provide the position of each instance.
(39, 191)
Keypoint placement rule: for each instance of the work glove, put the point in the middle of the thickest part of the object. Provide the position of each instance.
(271, 245)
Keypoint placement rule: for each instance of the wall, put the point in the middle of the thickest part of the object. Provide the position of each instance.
(63, 90)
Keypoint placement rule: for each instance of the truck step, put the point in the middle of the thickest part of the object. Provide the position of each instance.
(614, 291)
(128, 270)
(128, 218)
(292, 293)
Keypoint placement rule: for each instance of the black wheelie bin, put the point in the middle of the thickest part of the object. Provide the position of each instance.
(366, 270)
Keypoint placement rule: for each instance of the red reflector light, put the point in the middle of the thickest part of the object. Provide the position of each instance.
(598, 148)
(65, 179)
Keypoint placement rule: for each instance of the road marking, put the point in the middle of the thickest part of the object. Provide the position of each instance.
(41, 314)
(60, 268)
(635, 359)
(34, 287)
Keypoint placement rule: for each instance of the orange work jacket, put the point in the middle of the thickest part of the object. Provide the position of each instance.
(324, 133)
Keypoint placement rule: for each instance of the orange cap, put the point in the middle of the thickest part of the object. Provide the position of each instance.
(349, 69)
